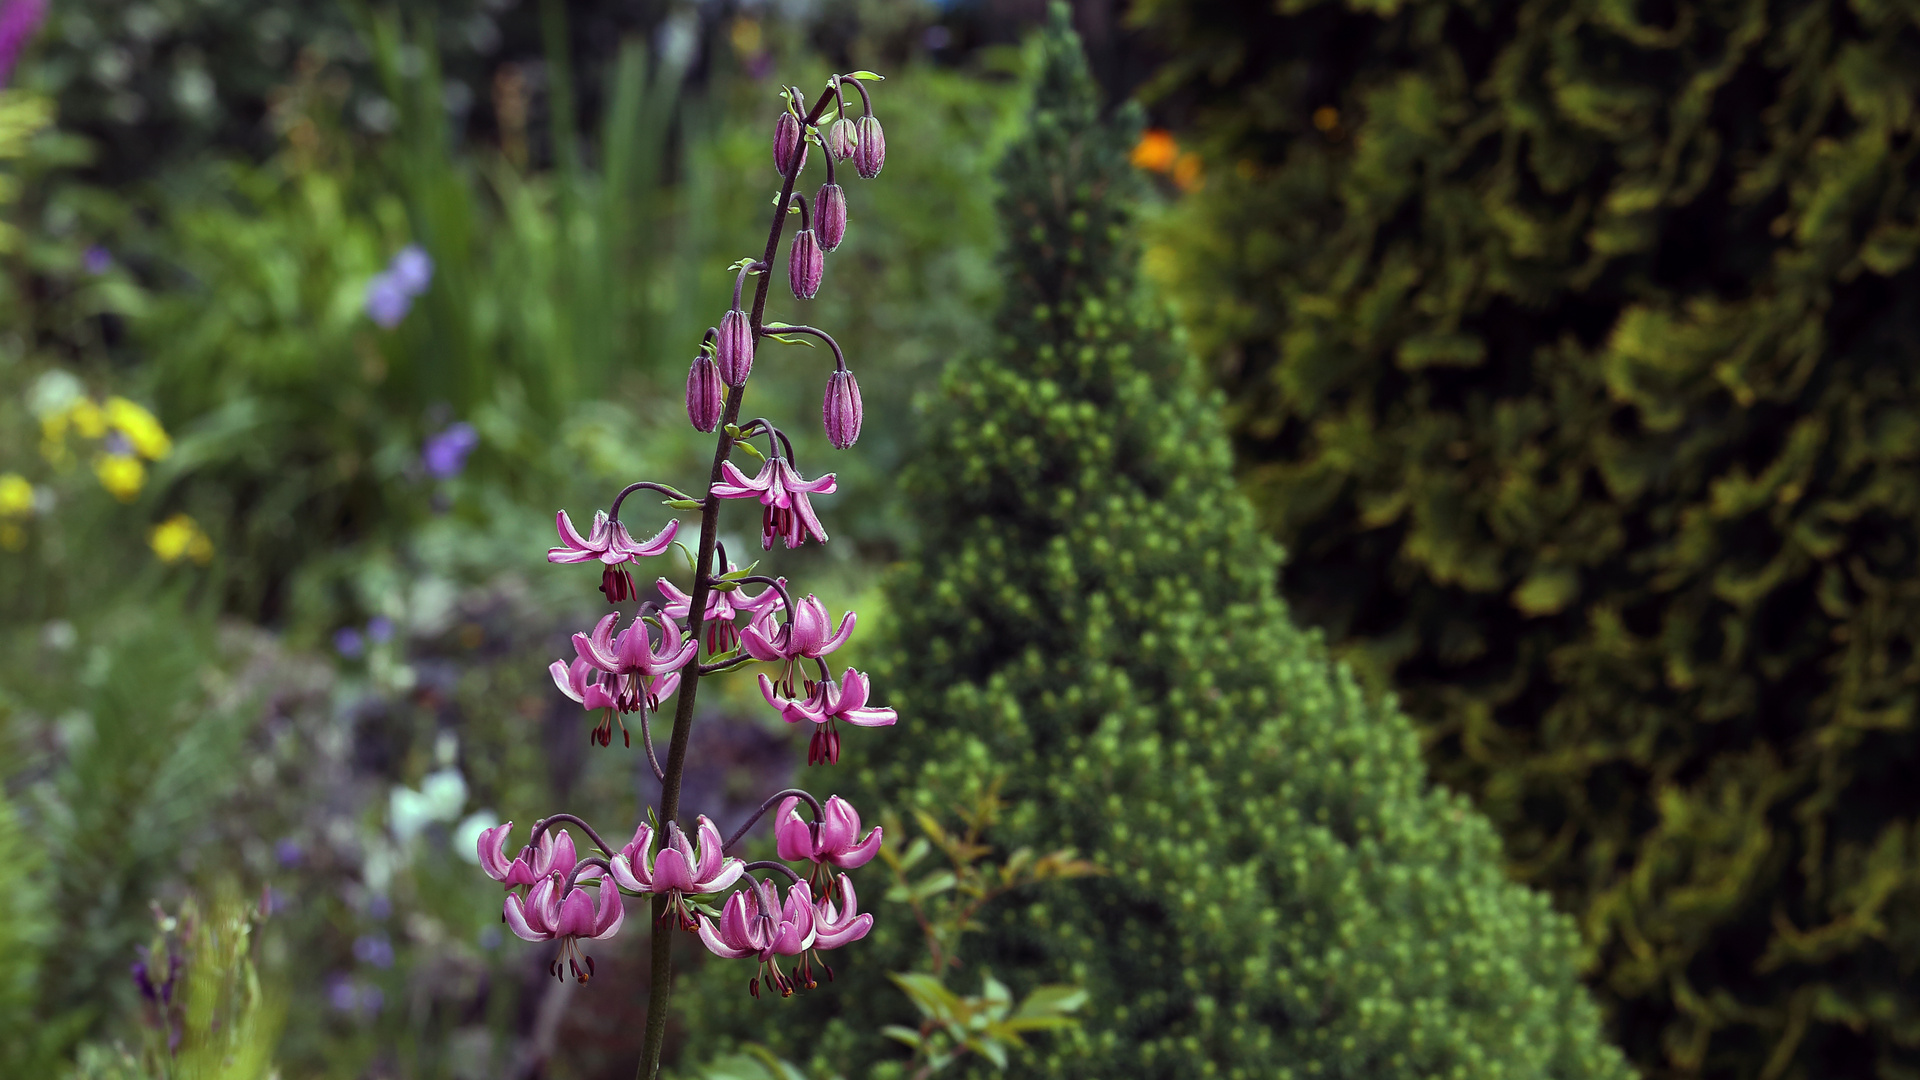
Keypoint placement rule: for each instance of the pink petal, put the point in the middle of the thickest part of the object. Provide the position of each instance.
(716, 945)
(870, 717)
(660, 542)
(730, 871)
(492, 847)
(860, 854)
(563, 853)
(670, 871)
(792, 837)
(630, 872)
(612, 912)
(853, 691)
(710, 845)
(576, 915)
(839, 824)
(563, 678)
(517, 921)
(853, 930)
(838, 639)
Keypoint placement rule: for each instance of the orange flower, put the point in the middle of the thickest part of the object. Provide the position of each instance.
(1156, 151)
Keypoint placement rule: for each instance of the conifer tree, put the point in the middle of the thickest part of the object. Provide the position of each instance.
(1574, 354)
(1091, 624)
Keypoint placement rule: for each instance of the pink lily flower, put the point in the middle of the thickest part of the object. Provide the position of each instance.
(809, 636)
(756, 923)
(723, 608)
(543, 916)
(827, 703)
(554, 854)
(608, 541)
(783, 493)
(645, 673)
(581, 682)
(839, 843)
(834, 927)
(679, 870)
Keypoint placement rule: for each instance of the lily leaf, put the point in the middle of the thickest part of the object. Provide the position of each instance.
(743, 444)
(866, 76)
(684, 504)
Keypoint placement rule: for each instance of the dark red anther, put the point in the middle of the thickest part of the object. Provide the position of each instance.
(753, 987)
(589, 967)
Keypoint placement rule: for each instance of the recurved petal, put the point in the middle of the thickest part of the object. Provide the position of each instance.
(563, 677)
(839, 824)
(870, 717)
(660, 542)
(792, 836)
(839, 638)
(563, 854)
(630, 872)
(730, 871)
(516, 917)
(612, 912)
(848, 930)
(710, 937)
(859, 854)
(710, 845)
(576, 915)
(492, 847)
(671, 870)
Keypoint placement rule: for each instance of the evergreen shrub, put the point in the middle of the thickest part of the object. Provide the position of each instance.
(1091, 623)
(1573, 353)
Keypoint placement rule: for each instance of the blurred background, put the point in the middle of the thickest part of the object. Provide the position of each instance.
(1574, 361)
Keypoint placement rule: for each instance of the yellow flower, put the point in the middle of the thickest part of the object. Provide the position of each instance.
(179, 537)
(120, 474)
(87, 419)
(16, 495)
(149, 439)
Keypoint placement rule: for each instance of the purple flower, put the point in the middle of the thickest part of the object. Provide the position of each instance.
(644, 673)
(607, 541)
(841, 410)
(830, 208)
(97, 260)
(733, 347)
(870, 147)
(826, 703)
(805, 265)
(783, 492)
(411, 269)
(288, 851)
(387, 302)
(544, 915)
(375, 949)
(756, 923)
(839, 842)
(445, 454)
(380, 629)
(554, 854)
(581, 682)
(18, 21)
(348, 643)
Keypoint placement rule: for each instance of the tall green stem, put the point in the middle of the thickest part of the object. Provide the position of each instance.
(660, 994)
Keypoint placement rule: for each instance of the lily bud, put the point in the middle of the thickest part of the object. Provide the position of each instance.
(870, 152)
(703, 393)
(805, 265)
(840, 139)
(789, 149)
(830, 214)
(841, 411)
(734, 348)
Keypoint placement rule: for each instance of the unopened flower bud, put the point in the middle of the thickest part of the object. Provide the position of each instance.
(870, 152)
(841, 411)
(830, 215)
(789, 149)
(703, 393)
(734, 348)
(840, 139)
(805, 264)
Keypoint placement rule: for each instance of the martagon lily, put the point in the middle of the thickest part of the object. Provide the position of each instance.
(544, 916)
(837, 841)
(828, 702)
(755, 922)
(808, 636)
(679, 870)
(783, 492)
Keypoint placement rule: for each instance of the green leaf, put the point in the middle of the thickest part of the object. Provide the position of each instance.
(928, 994)
(750, 448)
(789, 340)
(687, 554)
(866, 76)
(684, 504)
(736, 575)
(905, 1035)
(1050, 1002)
(934, 885)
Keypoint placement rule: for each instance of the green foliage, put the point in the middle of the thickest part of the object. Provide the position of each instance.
(1574, 360)
(1090, 624)
(25, 928)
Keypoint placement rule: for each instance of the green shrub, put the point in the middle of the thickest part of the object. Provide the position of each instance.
(1572, 354)
(1091, 624)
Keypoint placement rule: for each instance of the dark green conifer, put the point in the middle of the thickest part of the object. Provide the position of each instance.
(1091, 623)
(1574, 352)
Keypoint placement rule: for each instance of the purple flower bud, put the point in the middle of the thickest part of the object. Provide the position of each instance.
(870, 152)
(734, 348)
(841, 411)
(703, 393)
(830, 214)
(805, 264)
(840, 139)
(789, 149)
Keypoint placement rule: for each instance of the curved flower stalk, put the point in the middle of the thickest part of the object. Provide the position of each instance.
(827, 703)
(618, 670)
